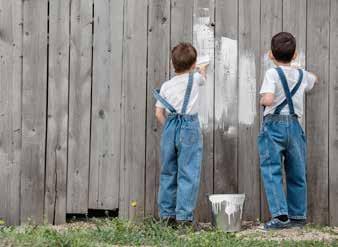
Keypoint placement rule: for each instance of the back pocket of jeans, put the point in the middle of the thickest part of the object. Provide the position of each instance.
(189, 136)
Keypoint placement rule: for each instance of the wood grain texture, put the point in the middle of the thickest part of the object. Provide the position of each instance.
(226, 97)
(79, 105)
(106, 105)
(181, 29)
(317, 118)
(57, 122)
(34, 96)
(204, 42)
(294, 21)
(333, 117)
(271, 24)
(10, 109)
(158, 72)
(248, 110)
(134, 88)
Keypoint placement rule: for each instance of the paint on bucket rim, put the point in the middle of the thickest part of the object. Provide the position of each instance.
(232, 203)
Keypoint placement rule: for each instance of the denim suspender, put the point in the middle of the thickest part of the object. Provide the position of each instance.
(288, 101)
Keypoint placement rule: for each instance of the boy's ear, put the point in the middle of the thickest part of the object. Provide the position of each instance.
(271, 57)
(193, 66)
(295, 55)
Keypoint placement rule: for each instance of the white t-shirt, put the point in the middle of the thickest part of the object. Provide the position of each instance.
(173, 91)
(272, 84)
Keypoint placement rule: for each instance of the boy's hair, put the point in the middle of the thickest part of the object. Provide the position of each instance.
(183, 56)
(283, 47)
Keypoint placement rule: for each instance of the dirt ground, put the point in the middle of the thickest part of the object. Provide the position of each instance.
(253, 231)
(309, 232)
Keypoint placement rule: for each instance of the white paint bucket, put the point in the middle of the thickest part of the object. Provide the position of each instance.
(227, 211)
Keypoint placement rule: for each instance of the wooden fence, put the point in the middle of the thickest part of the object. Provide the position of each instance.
(77, 126)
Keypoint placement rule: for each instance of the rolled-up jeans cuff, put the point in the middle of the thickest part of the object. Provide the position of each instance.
(297, 217)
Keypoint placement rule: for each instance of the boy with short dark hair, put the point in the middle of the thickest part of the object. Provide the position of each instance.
(181, 142)
(281, 136)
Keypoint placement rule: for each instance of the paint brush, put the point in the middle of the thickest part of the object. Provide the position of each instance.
(203, 60)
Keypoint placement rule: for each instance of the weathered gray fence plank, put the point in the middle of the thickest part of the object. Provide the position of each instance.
(317, 110)
(79, 105)
(333, 110)
(271, 23)
(248, 114)
(106, 105)
(204, 42)
(10, 109)
(158, 71)
(134, 88)
(294, 21)
(226, 97)
(57, 122)
(34, 96)
(181, 29)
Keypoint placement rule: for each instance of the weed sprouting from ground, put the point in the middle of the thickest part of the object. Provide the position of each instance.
(110, 232)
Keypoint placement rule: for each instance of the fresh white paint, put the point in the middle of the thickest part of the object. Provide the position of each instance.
(203, 39)
(226, 83)
(247, 88)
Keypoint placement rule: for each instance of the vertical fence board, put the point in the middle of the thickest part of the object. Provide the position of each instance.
(79, 105)
(134, 108)
(317, 109)
(181, 28)
(226, 97)
(10, 109)
(203, 40)
(57, 121)
(333, 118)
(106, 105)
(294, 21)
(34, 109)
(248, 168)
(271, 23)
(158, 72)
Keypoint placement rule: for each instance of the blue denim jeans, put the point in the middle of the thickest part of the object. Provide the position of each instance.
(282, 138)
(181, 156)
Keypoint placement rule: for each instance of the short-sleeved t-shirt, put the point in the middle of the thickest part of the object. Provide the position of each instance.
(173, 91)
(272, 84)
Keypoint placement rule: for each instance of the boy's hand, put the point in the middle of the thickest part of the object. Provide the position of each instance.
(160, 115)
(202, 69)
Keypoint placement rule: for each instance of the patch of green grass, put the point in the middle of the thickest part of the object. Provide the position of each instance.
(124, 233)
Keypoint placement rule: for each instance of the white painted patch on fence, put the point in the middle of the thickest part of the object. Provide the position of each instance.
(204, 43)
(226, 67)
(247, 89)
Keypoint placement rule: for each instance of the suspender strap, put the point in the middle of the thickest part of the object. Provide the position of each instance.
(156, 93)
(288, 101)
(187, 93)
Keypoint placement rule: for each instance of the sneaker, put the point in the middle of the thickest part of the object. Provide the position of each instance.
(298, 222)
(276, 224)
(169, 222)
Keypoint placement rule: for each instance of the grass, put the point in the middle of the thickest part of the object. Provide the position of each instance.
(123, 233)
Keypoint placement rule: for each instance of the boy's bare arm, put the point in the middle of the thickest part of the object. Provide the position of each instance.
(267, 99)
(160, 115)
(314, 76)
